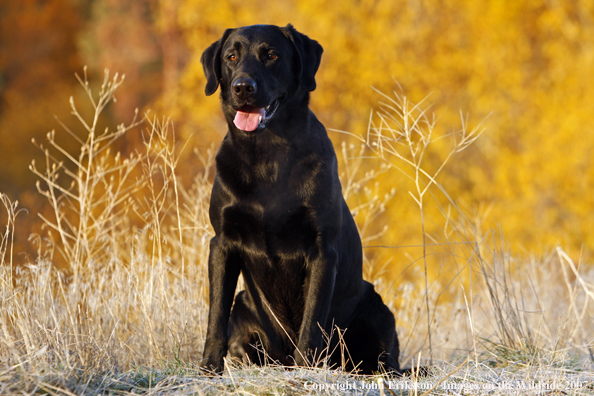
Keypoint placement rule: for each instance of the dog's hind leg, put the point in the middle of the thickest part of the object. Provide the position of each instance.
(371, 337)
(245, 342)
(249, 339)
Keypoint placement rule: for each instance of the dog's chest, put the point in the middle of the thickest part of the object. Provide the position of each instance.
(267, 212)
(277, 227)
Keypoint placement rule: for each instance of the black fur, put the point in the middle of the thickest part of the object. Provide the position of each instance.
(280, 218)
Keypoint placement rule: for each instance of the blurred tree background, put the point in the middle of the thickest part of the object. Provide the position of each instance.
(528, 63)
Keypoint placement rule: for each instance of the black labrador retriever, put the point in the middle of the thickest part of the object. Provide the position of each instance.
(280, 218)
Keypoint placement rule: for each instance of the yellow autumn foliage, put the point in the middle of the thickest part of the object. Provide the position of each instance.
(527, 66)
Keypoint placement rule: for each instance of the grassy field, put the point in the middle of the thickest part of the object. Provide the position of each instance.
(116, 300)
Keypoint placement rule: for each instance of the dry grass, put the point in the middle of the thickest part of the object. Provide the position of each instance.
(126, 314)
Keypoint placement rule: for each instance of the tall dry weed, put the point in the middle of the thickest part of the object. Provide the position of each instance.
(133, 238)
(495, 306)
(133, 296)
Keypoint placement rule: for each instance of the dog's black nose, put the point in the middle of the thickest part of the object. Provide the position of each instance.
(244, 87)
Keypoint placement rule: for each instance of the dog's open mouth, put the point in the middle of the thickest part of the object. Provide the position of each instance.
(251, 118)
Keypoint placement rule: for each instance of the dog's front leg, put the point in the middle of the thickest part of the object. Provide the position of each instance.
(223, 272)
(319, 289)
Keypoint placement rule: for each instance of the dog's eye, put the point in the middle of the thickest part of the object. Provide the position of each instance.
(272, 57)
(232, 57)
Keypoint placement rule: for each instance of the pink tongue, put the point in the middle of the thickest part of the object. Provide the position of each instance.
(248, 121)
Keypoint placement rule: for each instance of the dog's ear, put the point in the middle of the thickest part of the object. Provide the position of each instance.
(211, 63)
(309, 54)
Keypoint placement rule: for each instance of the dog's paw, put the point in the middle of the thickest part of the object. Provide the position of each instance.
(299, 359)
(212, 366)
(306, 358)
(212, 362)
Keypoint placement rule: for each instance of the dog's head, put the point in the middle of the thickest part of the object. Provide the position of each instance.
(259, 68)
